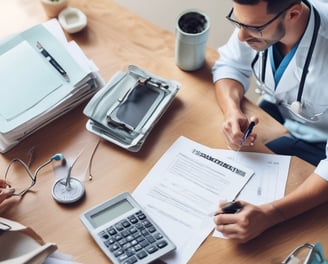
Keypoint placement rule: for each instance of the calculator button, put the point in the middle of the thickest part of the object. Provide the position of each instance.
(134, 242)
(151, 229)
(146, 223)
(118, 252)
(118, 237)
(129, 238)
(151, 249)
(133, 219)
(111, 231)
(141, 238)
(114, 247)
(122, 241)
(125, 256)
(131, 260)
(103, 235)
(140, 215)
(161, 244)
(142, 254)
(144, 243)
(126, 246)
(158, 236)
(150, 239)
(137, 247)
(133, 230)
(130, 251)
(119, 227)
(109, 242)
(139, 226)
(144, 232)
(122, 257)
(125, 223)
(137, 234)
(125, 233)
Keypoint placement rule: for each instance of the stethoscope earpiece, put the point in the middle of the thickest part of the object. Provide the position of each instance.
(59, 157)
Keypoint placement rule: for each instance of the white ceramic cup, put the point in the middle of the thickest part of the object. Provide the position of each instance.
(191, 37)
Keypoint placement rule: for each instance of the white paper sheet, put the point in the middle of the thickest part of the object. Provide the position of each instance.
(183, 188)
(17, 77)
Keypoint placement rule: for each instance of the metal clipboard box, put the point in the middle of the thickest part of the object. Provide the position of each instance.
(127, 108)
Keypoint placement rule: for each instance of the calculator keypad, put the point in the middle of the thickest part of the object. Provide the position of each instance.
(133, 239)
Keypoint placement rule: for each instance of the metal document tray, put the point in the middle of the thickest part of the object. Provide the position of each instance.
(127, 108)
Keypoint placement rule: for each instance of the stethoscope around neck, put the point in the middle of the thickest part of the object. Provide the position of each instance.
(296, 107)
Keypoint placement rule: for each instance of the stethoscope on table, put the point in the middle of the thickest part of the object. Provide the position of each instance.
(296, 107)
(66, 189)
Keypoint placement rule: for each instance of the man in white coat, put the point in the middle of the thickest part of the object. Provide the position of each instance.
(284, 44)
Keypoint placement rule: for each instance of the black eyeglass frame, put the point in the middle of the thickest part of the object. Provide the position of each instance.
(256, 29)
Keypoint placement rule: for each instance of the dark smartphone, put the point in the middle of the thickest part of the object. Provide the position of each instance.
(137, 104)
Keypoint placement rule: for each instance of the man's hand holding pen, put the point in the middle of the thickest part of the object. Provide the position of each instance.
(247, 133)
(241, 221)
(238, 131)
(248, 137)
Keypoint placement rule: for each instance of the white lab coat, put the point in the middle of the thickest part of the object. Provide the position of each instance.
(235, 63)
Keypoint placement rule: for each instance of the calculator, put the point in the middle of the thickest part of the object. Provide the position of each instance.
(124, 231)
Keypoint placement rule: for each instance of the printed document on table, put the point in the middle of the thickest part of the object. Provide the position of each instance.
(270, 178)
(183, 188)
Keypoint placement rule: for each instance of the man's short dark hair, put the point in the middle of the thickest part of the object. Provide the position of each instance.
(274, 6)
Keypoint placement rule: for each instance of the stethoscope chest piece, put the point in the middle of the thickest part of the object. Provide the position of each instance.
(296, 107)
(68, 190)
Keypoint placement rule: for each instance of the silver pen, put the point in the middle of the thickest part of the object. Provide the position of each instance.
(52, 61)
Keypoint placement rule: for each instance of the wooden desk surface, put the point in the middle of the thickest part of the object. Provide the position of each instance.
(115, 38)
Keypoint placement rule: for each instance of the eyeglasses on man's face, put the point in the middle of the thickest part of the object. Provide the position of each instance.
(255, 29)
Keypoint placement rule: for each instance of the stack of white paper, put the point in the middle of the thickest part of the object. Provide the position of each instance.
(34, 90)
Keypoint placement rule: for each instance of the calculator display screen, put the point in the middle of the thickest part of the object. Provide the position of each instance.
(110, 213)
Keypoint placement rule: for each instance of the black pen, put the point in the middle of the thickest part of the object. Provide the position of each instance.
(52, 61)
(230, 208)
(247, 133)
